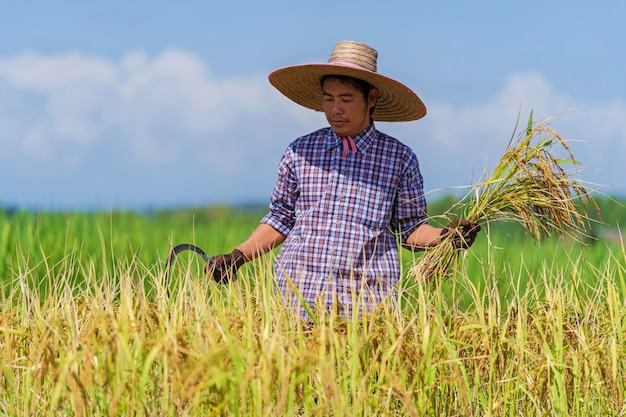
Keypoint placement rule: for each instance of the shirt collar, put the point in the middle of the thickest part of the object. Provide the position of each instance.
(362, 140)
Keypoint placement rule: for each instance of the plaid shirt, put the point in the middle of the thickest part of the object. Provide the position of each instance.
(341, 218)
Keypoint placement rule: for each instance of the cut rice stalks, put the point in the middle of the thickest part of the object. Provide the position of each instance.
(529, 186)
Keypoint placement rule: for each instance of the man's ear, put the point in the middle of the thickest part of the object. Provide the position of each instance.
(372, 98)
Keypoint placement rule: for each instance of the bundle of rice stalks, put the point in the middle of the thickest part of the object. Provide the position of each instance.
(529, 186)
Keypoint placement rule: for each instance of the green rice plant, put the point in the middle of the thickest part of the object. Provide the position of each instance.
(89, 326)
(528, 186)
(102, 342)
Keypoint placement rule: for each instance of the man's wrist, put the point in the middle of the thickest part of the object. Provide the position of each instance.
(239, 257)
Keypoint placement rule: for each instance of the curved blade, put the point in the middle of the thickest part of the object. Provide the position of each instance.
(183, 247)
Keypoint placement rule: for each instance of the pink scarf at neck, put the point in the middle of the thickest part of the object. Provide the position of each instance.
(348, 143)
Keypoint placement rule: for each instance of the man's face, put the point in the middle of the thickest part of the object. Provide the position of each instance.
(347, 110)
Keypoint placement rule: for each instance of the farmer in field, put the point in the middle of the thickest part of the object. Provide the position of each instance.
(344, 193)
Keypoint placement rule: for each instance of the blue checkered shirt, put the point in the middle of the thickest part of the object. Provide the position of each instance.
(342, 219)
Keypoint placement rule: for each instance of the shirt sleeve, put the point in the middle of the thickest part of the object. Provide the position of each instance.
(283, 199)
(411, 209)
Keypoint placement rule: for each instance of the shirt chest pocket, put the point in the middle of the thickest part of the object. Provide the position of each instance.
(369, 204)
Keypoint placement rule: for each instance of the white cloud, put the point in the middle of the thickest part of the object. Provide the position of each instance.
(457, 145)
(155, 104)
(32, 71)
(165, 118)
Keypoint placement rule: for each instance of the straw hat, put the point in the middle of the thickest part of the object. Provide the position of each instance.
(301, 83)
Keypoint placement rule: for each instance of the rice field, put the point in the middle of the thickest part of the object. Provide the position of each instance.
(89, 326)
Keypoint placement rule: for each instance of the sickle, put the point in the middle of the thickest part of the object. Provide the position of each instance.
(182, 247)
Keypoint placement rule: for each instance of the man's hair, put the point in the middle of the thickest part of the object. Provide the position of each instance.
(363, 86)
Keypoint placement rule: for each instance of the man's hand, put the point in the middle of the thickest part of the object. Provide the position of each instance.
(462, 232)
(224, 267)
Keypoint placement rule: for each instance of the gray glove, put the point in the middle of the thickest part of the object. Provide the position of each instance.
(224, 267)
(463, 233)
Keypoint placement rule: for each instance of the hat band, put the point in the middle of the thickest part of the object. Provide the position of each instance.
(349, 65)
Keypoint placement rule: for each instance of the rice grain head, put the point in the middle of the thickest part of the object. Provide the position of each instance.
(529, 186)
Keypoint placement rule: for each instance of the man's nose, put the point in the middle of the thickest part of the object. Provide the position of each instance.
(337, 108)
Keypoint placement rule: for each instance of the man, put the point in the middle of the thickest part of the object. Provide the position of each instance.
(344, 193)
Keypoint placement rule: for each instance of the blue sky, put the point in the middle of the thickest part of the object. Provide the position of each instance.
(160, 104)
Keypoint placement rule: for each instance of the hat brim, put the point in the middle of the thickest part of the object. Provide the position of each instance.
(301, 83)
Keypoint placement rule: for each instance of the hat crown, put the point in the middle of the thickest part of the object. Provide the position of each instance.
(355, 53)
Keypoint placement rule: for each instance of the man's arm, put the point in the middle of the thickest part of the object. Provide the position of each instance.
(263, 239)
(423, 237)
(462, 232)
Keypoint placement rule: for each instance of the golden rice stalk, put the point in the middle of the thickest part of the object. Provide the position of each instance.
(529, 186)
